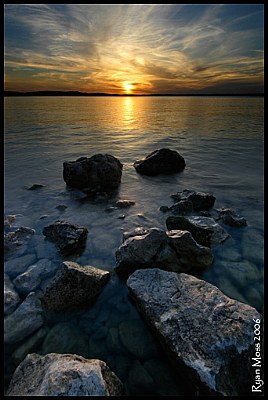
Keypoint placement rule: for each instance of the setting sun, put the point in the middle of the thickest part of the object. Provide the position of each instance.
(128, 87)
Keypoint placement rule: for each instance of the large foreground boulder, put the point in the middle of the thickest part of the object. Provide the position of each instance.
(63, 375)
(74, 286)
(67, 237)
(163, 161)
(174, 250)
(206, 335)
(99, 173)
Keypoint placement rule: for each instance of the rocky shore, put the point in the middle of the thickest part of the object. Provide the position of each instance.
(206, 336)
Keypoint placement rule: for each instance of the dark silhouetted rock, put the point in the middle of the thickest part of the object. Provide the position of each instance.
(124, 203)
(99, 173)
(63, 375)
(205, 230)
(74, 286)
(163, 161)
(172, 250)
(67, 237)
(229, 217)
(201, 201)
(36, 186)
(206, 334)
(182, 207)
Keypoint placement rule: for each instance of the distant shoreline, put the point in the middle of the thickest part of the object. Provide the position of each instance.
(82, 94)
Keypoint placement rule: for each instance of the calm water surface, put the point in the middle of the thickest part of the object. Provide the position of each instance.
(221, 140)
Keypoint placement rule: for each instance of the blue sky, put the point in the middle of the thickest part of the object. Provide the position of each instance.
(134, 48)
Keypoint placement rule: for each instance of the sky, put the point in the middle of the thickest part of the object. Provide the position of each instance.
(134, 48)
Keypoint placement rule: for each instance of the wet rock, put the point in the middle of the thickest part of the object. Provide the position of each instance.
(124, 203)
(229, 217)
(63, 375)
(139, 382)
(30, 345)
(29, 280)
(201, 201)
(67, 237)
(17, 266)
(182, 207)
(36, 186)
(11, 297)
(205, 230)
(163, 161)
(172, 250)
(74, 286)
(15, 242)
(101, 172)
(136, 339)
(26, 319)
(65, 337)
(202, 331)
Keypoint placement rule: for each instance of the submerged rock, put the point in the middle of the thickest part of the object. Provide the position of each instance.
(74, 286)
(101, 172)
(204, 333)
(11, 297)
(63, 375)
(201, 201)
(205, 230)
(172, 250)
(26, 319)
(68, 237)
(16, 242)
(17, 266)
(229, 217)
(163, 161)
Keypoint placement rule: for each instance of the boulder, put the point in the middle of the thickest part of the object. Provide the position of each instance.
(16, 266)
(36, 186)
(33, 276)
(205, 230)
(67, 237)
(163, 161)
(99, 173)
(172, 250)
(182, 207)
(63, 375)
(74, 286)
(229, 217)
(16, 242)
(207, 335)
(30, 345)
(201, 201)
(11, 297)
(26, 319)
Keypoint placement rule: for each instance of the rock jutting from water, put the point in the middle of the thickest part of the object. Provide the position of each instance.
(229, 217)
(207, 335)
(74, 286)
(182, 207)
(63, 375)
(99, 173)
(205, 230)
(11, 297)
(68, 237)
(171, 250)
(16, 242)
(163, 161)
(201, 201)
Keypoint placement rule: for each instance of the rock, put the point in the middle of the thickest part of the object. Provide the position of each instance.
(68, 237)
(182, 207)
(163, 161)
(61, 207)
(43, 216)
(136, 232)
(229, 217)
(139, 382)
(201, 201)
(65, 337)
(113, 341)
(36, 186)
(26, 319)
(30, 345)
(136, 339)
(74, 286)
(205, 230)
(11, 297)
(203, 331)
(17, 241)
(63, 375)
(124, 203)
(101, 172)
(29, 280)
(171, 250)
(241, 273)
(17, 266)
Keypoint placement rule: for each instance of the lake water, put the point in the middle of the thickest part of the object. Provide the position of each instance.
(221, 139)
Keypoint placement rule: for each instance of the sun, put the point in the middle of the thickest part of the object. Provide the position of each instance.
(128, 87)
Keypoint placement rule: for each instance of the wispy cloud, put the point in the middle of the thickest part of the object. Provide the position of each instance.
(158, 47)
